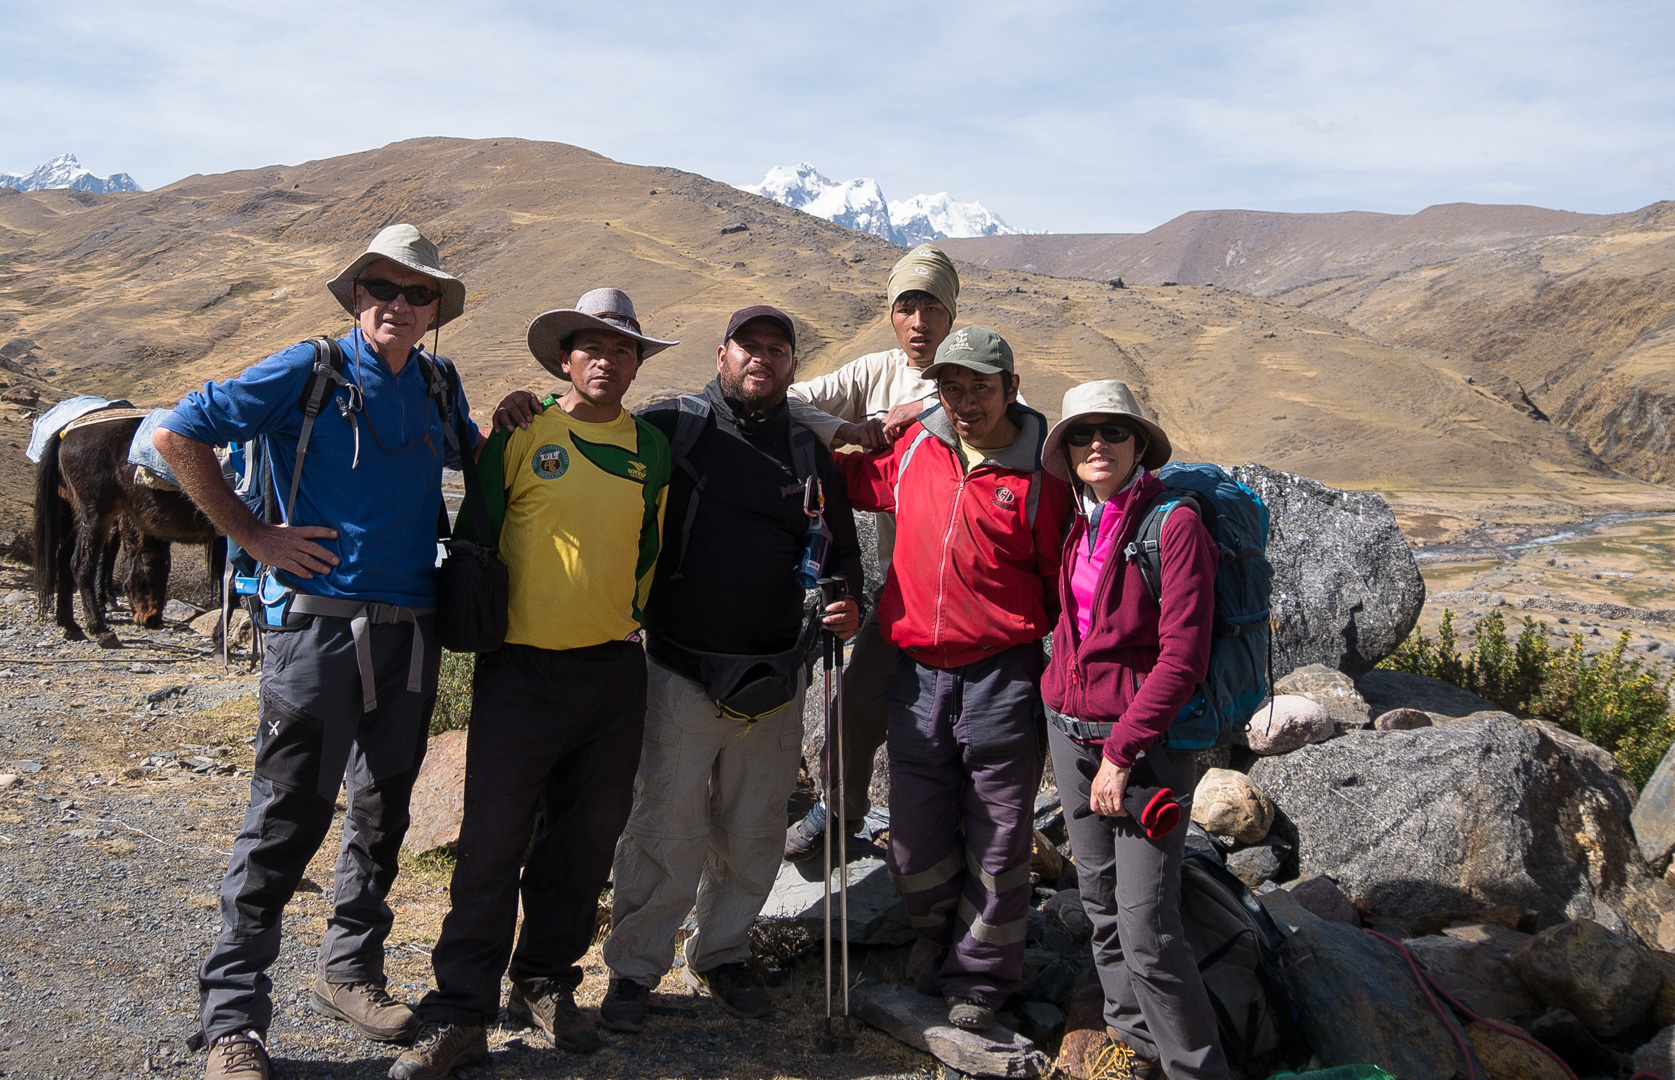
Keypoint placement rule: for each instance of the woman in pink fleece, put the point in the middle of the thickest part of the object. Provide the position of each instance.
(1122, 666)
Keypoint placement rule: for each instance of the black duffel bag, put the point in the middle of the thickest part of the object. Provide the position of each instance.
(473, 587)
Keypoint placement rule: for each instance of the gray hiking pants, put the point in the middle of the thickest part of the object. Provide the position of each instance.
(312, 734)
(1131, 890)
(707, 829)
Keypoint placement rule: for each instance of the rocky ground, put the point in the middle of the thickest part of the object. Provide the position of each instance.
(132, 770)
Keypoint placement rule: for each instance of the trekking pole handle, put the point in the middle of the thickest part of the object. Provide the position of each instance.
(832, 590)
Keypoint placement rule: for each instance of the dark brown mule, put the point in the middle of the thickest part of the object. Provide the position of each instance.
(84, 490)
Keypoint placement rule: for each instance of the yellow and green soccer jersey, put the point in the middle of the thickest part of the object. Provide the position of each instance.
(577, 511)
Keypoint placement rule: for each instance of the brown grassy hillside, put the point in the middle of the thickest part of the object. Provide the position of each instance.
(148, 294)
(1583, 323)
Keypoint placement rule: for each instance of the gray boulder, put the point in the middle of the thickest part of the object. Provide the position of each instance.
(1346, 587)
(1332, 690)
(1384, 691)
(1603, 979)
(1359, 1002)
(1654, 814)
(922, 1023)
(1478, 976)
(876, 914)
(1487, 812)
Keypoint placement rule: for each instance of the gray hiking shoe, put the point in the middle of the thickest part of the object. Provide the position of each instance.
(239, 1056)
(367, 1007)
(625, 1005)
(735, 987)
(439, 1050)
(970, 1015)
(553, 1010)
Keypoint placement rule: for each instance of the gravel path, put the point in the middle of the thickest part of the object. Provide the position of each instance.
(132, 771)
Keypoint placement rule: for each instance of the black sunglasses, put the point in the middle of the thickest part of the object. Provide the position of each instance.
(385, 291)
(1112, 433)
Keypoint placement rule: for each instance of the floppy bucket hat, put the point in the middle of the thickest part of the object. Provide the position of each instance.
(598, 309)
(405, 245)
(1107, 397)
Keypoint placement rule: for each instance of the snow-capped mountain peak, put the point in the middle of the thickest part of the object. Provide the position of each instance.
(859, 204)
(64, 171)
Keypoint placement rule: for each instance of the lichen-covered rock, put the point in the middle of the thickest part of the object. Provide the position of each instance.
(438, 802)
(1657, 1056)
(1506, 1057)
(1603, 979)
(1228, 804)
(1402, 720)
(1346, 587)
(1288, 722)
(1332, 690)
(1489, 812)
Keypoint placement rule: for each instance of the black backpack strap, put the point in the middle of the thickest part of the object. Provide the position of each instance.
(322, 384)
(689, 424)
(1147, 546)
(802, 451)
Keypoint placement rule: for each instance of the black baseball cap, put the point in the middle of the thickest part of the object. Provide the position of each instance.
(762, 311)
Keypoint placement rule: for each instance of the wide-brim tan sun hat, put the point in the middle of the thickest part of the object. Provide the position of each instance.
(599, 309)
(405, 245)
(1107, 397)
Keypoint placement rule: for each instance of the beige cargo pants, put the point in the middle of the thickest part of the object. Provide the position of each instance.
(707, 830)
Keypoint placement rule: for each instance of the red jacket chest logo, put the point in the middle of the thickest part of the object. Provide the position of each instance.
(1005, 498)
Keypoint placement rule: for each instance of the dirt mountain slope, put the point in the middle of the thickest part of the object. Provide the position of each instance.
(148, 294)
(1266, 253)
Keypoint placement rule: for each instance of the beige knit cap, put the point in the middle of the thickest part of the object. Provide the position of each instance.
(926, 269)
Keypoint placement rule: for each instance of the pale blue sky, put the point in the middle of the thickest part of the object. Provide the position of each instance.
(1057, 115)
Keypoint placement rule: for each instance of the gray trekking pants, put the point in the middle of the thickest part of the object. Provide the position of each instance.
(1131, 890)
(313, 735)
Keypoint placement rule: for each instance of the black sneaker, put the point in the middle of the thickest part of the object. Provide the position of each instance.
(553, 1009)
(625, 1004)
(735, 987)
(440, 1049)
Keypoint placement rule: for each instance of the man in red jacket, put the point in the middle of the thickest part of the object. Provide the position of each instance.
(970, 593)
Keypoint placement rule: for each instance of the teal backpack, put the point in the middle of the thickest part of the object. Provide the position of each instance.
(1241, 648)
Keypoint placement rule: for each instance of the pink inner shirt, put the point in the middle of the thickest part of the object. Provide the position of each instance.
(1086, 566)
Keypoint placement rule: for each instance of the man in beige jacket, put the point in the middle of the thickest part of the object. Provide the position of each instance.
(869, 402)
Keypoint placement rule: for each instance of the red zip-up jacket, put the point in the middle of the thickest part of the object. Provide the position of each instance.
(1140, 661)
(969, 577)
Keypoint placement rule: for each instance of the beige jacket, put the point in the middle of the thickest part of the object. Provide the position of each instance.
(866, 387)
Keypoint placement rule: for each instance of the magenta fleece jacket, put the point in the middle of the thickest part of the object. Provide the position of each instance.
(1141, 661)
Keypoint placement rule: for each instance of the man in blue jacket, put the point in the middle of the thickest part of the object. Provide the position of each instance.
(348, 683)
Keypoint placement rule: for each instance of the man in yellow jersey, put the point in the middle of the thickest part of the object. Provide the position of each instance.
(558, 712)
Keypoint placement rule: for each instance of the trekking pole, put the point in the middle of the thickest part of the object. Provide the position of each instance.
(835, 1037)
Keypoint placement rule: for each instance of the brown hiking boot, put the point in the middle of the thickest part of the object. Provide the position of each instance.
(735, 987)
(969, 1015)
(924, 966)
(1117, 1060)
(366, 1007)
(439, 1050)
(625, 1005)
(554, 1012)
(239, 1056)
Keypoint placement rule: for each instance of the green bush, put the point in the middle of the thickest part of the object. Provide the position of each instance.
(1610, 699)
(453, 693)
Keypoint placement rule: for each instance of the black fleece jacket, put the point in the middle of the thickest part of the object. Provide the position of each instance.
(735, 592)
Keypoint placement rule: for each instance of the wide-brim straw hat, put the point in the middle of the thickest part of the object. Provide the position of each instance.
(1107, 397)
(405, 245)
(600, 309)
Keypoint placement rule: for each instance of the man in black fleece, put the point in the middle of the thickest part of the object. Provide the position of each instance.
(726, 676)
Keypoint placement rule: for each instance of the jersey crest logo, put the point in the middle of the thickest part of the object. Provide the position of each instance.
(637, 470)
(1004, 498)
(550, 462)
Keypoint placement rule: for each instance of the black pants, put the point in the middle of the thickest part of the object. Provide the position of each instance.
(311, 719)
(554, 733)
